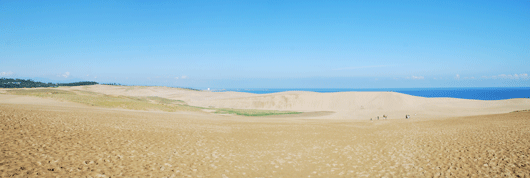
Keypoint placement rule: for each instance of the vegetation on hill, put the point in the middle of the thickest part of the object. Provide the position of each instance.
(109, 101)
(21, 83)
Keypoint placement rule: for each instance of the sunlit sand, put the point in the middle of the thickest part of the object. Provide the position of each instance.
(169, 132)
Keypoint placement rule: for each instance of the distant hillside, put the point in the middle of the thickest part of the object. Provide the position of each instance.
(21, 83)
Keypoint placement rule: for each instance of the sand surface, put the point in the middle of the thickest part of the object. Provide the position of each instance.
(47, 138)
(344, 105)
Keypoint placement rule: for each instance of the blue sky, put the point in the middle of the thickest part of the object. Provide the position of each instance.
(269, 44)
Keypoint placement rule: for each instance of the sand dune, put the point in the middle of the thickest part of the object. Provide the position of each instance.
(49, 139)
(42, 137)
(346, 105)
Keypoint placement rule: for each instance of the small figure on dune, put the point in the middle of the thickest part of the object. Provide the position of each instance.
(385, 116)
(407, 116)
(377, 117)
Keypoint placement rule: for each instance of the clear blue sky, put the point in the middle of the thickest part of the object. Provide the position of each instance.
(269, 44)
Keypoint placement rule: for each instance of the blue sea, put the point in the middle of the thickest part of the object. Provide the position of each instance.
(464, 93)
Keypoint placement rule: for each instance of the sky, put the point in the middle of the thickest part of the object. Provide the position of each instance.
(269, 44)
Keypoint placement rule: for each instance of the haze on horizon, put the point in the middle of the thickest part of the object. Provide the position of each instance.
(269, 44)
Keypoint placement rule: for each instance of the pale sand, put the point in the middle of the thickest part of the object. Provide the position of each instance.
(345, 105)
(46, 138)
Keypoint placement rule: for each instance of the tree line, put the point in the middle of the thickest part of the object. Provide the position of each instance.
(21, 83)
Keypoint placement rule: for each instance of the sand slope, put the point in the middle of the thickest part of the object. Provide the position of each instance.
(346, 105)
(49, 139)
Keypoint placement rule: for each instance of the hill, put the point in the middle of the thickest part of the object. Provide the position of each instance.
(21, 83)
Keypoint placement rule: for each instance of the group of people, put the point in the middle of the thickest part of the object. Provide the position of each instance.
(385, 117)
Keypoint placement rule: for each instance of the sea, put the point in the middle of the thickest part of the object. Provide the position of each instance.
(490, 93)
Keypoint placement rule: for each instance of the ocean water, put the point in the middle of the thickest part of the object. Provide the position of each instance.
(464, 93)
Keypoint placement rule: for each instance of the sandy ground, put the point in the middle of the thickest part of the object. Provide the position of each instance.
(46, 138)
